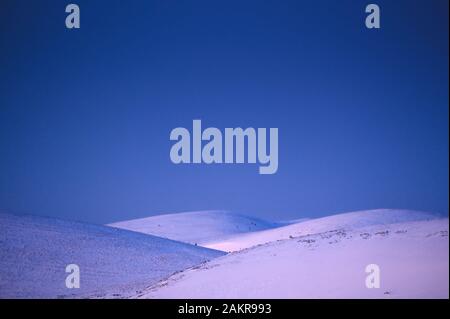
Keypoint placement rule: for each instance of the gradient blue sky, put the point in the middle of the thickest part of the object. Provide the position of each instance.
(85, 115)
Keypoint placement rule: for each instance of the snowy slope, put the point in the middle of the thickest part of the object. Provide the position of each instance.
(199, 227)
(34, 252)
(413, 258)
(347, 221)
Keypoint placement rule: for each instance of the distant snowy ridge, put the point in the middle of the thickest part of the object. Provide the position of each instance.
(200, 227)
(34, 252)
(345, 221)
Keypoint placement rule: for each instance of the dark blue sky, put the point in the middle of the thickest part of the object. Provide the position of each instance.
(85, 115)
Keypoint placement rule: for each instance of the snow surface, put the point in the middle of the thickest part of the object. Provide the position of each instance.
(315, 258)
(346, 221)
(328, 263)
(34, 252)
(199, 227)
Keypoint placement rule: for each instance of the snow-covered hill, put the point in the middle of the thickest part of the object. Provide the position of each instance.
(346, 221)
(199, 227)
(35, 251)
(413, 258)
(324, 257)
